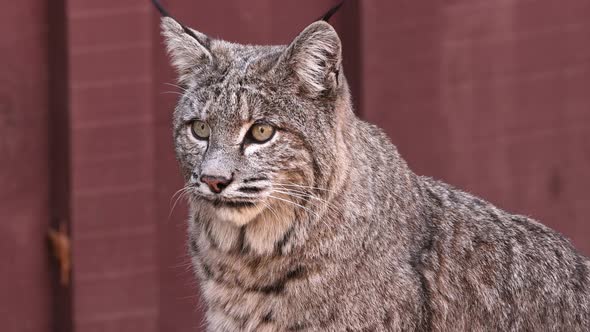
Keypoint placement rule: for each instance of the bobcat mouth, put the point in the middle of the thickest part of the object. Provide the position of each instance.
(230, 203)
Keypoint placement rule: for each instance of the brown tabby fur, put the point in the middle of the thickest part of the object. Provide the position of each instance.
(324, 227)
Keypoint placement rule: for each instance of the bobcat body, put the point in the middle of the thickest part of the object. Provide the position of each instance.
(323, 227)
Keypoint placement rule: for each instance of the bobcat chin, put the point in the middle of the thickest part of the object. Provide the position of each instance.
(305, 218)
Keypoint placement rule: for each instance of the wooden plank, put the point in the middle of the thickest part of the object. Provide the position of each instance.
(25, 287)
(114, 233)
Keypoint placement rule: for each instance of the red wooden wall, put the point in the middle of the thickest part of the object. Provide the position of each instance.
(488, 96)
(25, 285)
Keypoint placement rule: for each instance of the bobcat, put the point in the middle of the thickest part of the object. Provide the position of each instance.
(305, 218)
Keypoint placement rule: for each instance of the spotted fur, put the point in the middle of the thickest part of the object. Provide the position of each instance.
(324, 227)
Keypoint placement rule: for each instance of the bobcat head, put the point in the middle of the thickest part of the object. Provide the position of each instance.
(257, 125)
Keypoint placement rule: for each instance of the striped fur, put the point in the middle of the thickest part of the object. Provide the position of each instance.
(325, 228)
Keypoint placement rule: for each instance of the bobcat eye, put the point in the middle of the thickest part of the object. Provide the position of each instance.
(200, 129)
(261, 132)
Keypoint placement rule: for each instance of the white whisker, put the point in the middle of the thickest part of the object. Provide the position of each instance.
(295, 204)
(305, 187)
(181, 193)
(307, 196)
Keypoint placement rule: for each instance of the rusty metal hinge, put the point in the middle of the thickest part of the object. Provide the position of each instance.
(61, 246)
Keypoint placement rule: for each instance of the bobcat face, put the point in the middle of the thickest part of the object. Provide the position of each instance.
(237, 148)
(255, 123)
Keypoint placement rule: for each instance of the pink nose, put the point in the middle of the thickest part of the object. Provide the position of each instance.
(215, 183)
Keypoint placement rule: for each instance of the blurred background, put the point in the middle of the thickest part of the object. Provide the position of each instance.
(490, 96)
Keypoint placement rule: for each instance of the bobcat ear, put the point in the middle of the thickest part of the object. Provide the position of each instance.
(314, 57)
(189, 50)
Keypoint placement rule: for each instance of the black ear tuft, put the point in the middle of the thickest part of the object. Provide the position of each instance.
(165, 13)
(326, 17)
(160, 8)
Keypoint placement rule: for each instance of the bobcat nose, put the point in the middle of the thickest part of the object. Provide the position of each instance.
(216, 183)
